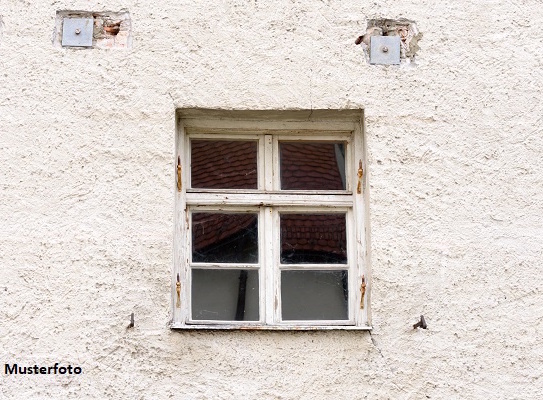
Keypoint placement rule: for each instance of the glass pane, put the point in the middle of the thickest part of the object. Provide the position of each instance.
(224, 238)
(313, 239)
(312, 166)
(314, 295)
(225, 295)
(223, 164)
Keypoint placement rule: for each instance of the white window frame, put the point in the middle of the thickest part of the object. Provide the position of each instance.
(270, 127)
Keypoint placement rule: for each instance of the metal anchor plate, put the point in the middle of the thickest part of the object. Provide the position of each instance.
(385, 50)
(77, 32)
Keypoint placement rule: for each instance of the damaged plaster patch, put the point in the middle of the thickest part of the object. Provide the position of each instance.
(407, 31)
(110, 29)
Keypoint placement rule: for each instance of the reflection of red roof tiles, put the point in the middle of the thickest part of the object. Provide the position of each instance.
(314, 232)
(309, 166)
(230, 164)
(212, 228)
(224, 164)
(318, 233)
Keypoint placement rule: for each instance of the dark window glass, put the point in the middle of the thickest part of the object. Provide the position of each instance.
(312, 166)
(224, 238)
(225, 295)
(314, 295)
(223, 164)
(313, 239)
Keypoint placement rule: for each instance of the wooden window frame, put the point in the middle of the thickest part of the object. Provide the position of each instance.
(268, 201)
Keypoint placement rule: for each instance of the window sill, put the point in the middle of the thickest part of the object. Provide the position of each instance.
(225, 327)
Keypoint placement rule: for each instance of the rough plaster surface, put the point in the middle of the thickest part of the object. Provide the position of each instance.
(456, 178)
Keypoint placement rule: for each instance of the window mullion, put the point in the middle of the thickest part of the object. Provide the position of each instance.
(274, 266)
(276, 165)
(268, 243)
(268, 163)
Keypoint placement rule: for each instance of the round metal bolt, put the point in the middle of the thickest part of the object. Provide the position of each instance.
(77, 31)
(385, 49)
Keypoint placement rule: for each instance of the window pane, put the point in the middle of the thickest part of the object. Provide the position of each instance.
(226, 295)
(225, 238)
(314, 295)
(223, 164)
(313, 239)
(312, 166)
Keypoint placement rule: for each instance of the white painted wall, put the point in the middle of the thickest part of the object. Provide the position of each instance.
(87, 190)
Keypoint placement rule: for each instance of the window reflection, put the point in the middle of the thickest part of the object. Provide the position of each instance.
(314, 295)
(225, 295)
(223, 164)
(224, 238)
(313, 239)
(312, 166)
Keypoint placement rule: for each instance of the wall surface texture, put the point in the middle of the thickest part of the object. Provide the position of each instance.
(87, 184)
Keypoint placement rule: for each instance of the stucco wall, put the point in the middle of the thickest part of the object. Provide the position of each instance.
(456, 187)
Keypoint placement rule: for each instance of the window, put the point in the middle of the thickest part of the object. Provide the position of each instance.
(270, 222)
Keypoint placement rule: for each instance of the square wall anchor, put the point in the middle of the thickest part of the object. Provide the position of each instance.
(77, 32)
(385, 50)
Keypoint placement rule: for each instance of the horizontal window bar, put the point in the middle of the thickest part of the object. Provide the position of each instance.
(225, 266)
(295, 127)
(246, 326)
(272, 192)
(320, 267)
(270, 199)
